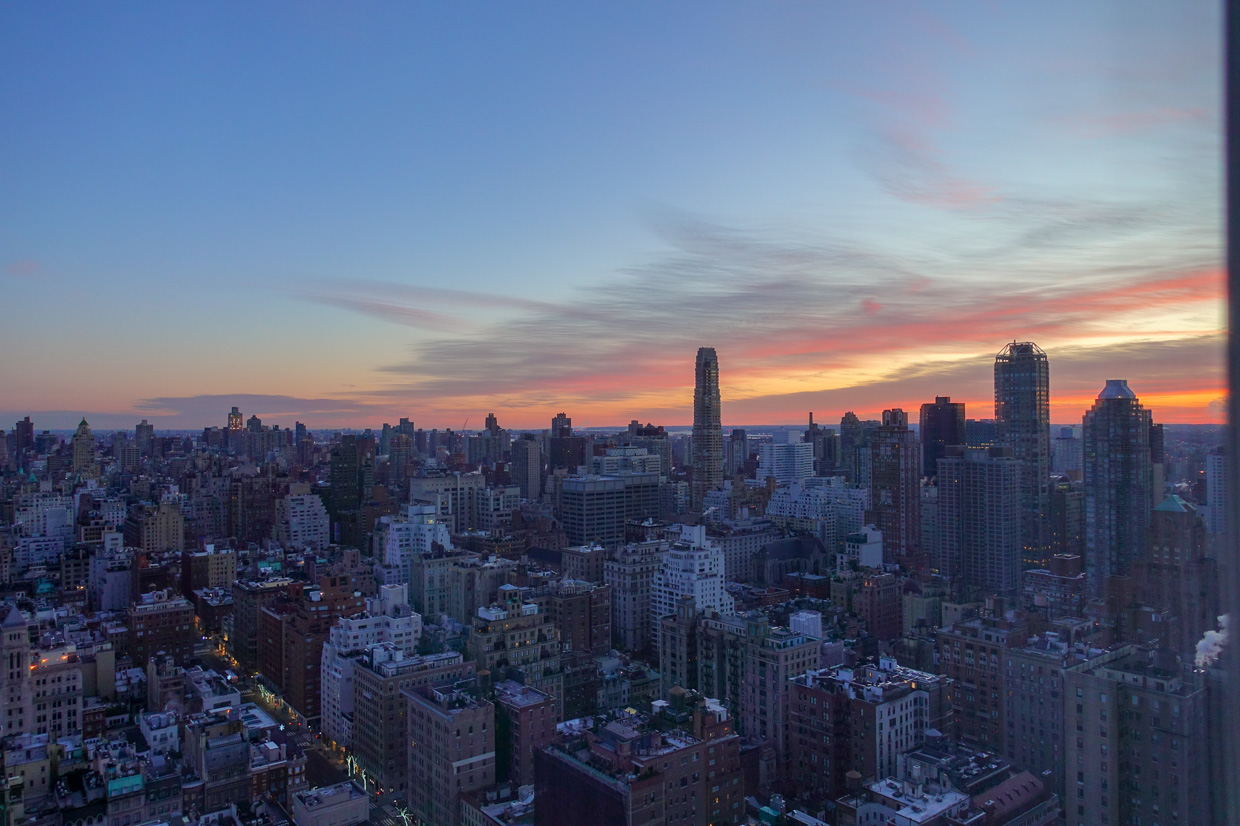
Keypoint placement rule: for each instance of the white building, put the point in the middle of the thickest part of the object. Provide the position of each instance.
(788, 463)
(302, 522)
(863, 548)
(387, 619)
(692, 568)
(826, 506)
(398, 539)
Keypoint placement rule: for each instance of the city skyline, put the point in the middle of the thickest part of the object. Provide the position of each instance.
(341, 218)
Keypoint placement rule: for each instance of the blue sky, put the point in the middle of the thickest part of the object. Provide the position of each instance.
(347, 213)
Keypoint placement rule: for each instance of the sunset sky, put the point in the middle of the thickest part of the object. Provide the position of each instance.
(345, 213)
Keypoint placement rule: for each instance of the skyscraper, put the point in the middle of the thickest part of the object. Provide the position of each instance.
(144, 435)
(84, 451)
(1023, 423)
(1118, 483)
(707, 427)
(942, 424)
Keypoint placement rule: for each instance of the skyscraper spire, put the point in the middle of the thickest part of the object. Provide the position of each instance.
(707, 427)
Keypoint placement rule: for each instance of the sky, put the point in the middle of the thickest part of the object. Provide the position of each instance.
(347, 213)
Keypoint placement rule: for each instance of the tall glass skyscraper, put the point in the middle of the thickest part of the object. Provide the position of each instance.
(1119, 479)
(1023, 423)
(707, 427)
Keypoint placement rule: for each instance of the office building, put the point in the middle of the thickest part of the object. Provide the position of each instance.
(1118, 479)
(84, 463)
(787, 463)
(942, 426)
(707, 427)
(1022, 422)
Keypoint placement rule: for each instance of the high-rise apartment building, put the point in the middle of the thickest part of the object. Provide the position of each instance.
(707, 427)
(379, 721)
(1022, 422)
(451, 738)
(398, 540)
(1066, 455)
(23, 435)
(630, 574)
(979, 521)
(1215, 512)
(1176, 583)
(1118, 480)
(527, 466)
(860, 719)
(302, 522)
(895, 487)
(692, 568)
(516, 634)
(387, 620)
(161, 622)
(1137, 748)
(972, 654)
(942, 425)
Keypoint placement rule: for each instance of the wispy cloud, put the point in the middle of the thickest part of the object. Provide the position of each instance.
(823, 311)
